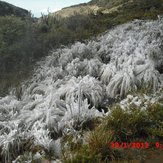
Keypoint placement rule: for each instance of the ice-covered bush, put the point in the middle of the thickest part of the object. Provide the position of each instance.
(121, 83)
(76, 114)
(86, 87)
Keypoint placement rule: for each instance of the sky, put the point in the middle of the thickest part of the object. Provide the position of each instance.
(42, 6)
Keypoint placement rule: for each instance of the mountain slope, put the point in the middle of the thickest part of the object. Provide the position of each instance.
(112, 7)
(79, 9)
(9, 9)
(71, 85)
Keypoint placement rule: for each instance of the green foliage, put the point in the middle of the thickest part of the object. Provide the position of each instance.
(19, 48)
(128, 125)
(136, 123)
(155, 114)
(96, 150)
(132, 125)
(98, 143)
(12, 29)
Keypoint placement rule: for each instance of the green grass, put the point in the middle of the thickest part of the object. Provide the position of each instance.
(120, 126)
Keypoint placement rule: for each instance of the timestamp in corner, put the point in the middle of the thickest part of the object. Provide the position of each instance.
(134, 145)
(125, 145)
(158, 145)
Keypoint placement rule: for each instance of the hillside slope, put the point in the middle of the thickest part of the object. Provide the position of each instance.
(86, 94)
(60, 104)
(9, 9)
(111, 7)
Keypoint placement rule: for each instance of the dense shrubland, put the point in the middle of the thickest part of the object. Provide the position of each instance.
(19, 48)
(60, 109)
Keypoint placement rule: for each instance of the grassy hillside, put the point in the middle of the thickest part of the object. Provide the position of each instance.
(113, 3)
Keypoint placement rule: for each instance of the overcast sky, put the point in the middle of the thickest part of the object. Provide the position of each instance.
(38, 6)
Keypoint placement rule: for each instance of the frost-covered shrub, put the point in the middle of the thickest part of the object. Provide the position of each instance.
(86, 67)
(8, 108)
(10, 140)
(121, 83)
(75, 68)
(86, 87)
(76, 114)
(82, 51)
(147, 76)
(41, 135)
(65, 58)
(107, 73)
(142, 102)
(92, 67)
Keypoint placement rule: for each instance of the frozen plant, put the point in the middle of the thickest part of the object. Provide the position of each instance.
(77, 113)
(90, 88)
